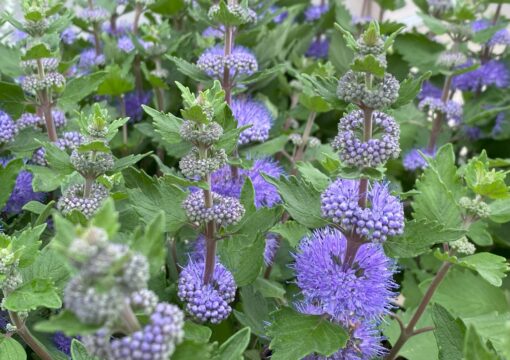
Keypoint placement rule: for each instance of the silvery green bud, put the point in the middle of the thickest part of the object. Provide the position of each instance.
(383, 92)
(92, 164)
(206, 134)
(193, 166)
(463, 246)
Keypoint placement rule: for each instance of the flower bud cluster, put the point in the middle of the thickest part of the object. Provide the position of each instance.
(451, 109)
(380, 148)
(224, 211)
(478, 208)
(35, 121)
(193, 165)
(34, 83)
(8, 129)
(94, 15)
(74, 199)
(198, 133)
(243, 13)
(207, 302)
(240, 62)
(383, 92)
(463, 246)
(91, 164)
(10, 277)
(383, 216)
(48, 64)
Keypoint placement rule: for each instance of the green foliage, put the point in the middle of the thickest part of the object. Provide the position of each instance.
(30, 296)
(449, 334)
(8, 175)
(295, 335)
(10, 349)
(233, 348)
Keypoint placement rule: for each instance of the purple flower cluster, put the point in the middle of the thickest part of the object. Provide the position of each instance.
(240, 62)
(413, 160)
(212, 32)
(501, 37)
(22, 193)
(361, 290)
(271, 248)
(319, 48)
(8, 128)
(374, 152)
(89, 59)
(225, 210)
(68, 36)
(254, 113)
(452, 110)
(429, 90)
(94, 15)
(492, 73)
(62, 342)
(35, 121)
(73, 199)
(69, 140)
(383, 216)
(315, 12)
(265, 194)
(207, 302)
(134, 101)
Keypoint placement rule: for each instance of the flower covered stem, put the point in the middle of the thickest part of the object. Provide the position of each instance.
(438, 119)
(210, 241)
(45, 99)
(409, 330)
(28, 338)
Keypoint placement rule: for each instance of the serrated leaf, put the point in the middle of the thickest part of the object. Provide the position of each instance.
(167, 125)
(368, 64)
(97, 145)
(38, 51)
(190, 70)
(30, 296)
(233, 348)
(79, 352)
(152, 243)
(492, 268)
(300, 199)
(127, 161)
(28, 243)
(294, 335)
(475, 348)
(449, 334)
(79, 88)
(291, 231)
(12, 99)
(314, 176)
(10, 349)
(197, 333)
(409, 89)
(269, 288)
(500, 211)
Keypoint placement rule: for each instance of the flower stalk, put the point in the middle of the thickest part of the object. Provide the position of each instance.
(28, 338)
(438, 118)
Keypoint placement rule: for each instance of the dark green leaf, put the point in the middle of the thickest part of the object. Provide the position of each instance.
(233, 348)
(30, 296)
(12, 99)
(79, 88)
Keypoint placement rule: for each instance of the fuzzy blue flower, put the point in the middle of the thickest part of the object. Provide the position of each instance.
(212, 32)
(251, 112)
(501, 37)
(315, 12)
(271, 248)
(68, 36)
(62, 342)
(125, 44)
(265, 194)
(451, 109)
(89, 59)
(429, 90)
(383, 216)
(480, 25)
(207, 302)
(319, 48)
(134, 101)
(413, 160)
(362, 290)
(22, 193)
(492, 73)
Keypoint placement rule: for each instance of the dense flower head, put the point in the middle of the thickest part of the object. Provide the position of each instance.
(319, 48)
(51, 80)
(134, 101)
(192, 165)
(440, 6)
(380, 148)
(125, 44)
(352, 88)
(271, 248)
(22, 193)
(8, 129)
(240, 62)
(96, 14)
(207, 302)
(246, 14)
(429, 90)
(383, 216)
(68, 36)
(73, 199)
(62, 342)
(315, 12)
(451, 109)
(265, 194)
(501, 37)
(225, 210)
(252, 112)
(212, 32)
(35, 121)
(362, 290)
(413, 160)
(89, 58)
(480, 25)
(492, 73)
(49, 64)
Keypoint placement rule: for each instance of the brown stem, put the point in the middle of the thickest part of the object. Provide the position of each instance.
(136, 21)
(409, 330)
(28, 338)
(122, 109)
(438, 118)
(306, 136)
(210, 241)
(45, 99)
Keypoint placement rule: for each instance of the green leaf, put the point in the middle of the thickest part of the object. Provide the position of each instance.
(8, 176)
(437, 26)
(192, 350)
(266, 148)
(440, 188)
(255, 310)
(79, 88)
(58, 159)
(294, 335)
(233, 348)
(107, 218)
(300, 199)
(67, 323)
(167, 125)
(485, 182)
(127, 161)
(419, 50)
(418, 237)
(197, 333)
(45, 179)
(116, 82)
(500, 211)
(368, 64)
(38, 51)
(168, 7)
(291, 231)
(30, 296)
(79, 352)
(152, 243)
(492, 268)
(409, 89)
(492, 327)
(230, 138)
(190, 70)
(49, 265)
(449, 334)
(10, 349)
(475, 348)
(264, 75)
(12, 99)
(314, 103)
(225, 17)
(11, 61)
(314, 176)
(28, 243)
(149, 196)
(479, 234)
(96, 145)
(269, 288)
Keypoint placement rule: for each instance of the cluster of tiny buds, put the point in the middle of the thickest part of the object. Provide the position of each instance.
(352, 87)
(92, 164)
(240, 62)
(74, 199)
(224, 211)
(205, 134)
(67, 141)
(192, 165)
(247, 15)
(94, 15)
(8, 129)
(451, 59)
(35, 121)
(297, 140)
(34, 83)
(36, 28)
(48, 64)
(477, 207)
(374, 152)
(143, 300)
(9, 272)
(463, 246)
